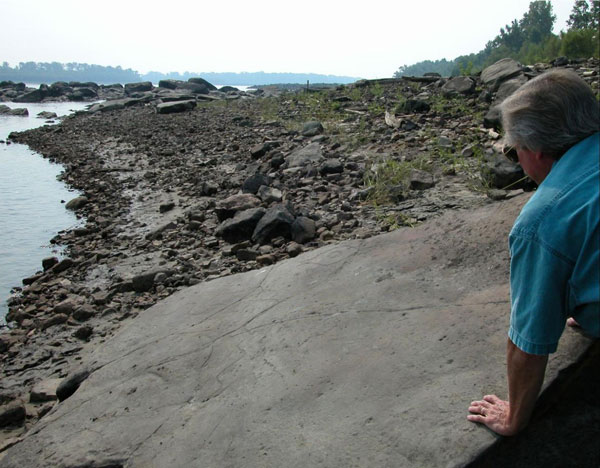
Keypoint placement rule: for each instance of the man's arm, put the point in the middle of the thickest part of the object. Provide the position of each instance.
(525, 377)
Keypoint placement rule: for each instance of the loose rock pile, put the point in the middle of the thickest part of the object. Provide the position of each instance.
(233, 183)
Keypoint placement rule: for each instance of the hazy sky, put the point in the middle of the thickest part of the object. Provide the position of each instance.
(368, 39)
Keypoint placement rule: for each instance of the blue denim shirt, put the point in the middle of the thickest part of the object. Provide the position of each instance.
(555, 253)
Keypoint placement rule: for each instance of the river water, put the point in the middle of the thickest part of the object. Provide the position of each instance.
(32, 200)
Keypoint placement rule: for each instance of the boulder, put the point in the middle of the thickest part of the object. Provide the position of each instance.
(269, 194)
(176, 106)
(195, 88)
(415, 105)
(77, 203)
(500, 173)
(66, 306)
(420, 180)
(145, 281)
(254, 182)
(228, 89)
(60, 88)
(458, 85)
(19, 111)
(12, 415)
(169, 84)
(140, 87)
(44, 391)
(86, 84)
(227, 208)
(276, 222)
(81, 94)
(63, 265)
(171, 96)
(502, 70)
(56, 319)
(11, 85)
(70, 384)
(47, 115)
(116, 104)
(509, 87)
(257, 151)
(303, 229)
(241, 226)
(202, 81)
(36, 95)
(331, 166)
(312, 128)
(493, 118)
(310, 154)
(560, 61)
(83, 313)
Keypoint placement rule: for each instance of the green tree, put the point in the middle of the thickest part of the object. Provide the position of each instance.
(584, 15)
(538, 22)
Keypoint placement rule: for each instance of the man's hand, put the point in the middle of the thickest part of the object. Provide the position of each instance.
(525, 378)
(493, 412)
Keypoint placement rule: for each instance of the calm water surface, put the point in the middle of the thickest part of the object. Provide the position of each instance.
(31, 201)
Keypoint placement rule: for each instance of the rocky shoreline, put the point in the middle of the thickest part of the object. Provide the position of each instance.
(183, 183)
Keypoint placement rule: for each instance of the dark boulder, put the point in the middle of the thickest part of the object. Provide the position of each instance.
(145, 281)
(47, 115)
(501, 173)
(312, 128)
(261, 149)
(202, 81)
(82, 94)
(303, 229)
(493, 118)
(502, 70)
(141, 87)
(229, 89)
(194, 88)
(560, 61)
(169, 84)
(331, 166)
(60, 88)
(87, 84)
(77, 203)
(254, 182)
(420, 180)
(175, 107)
(63, 265)
(241, 226)
(70, 384)
(12, 415)
(458, 85)
(227, 208)
(415, 105)
(36, 95)
(276, 222)
(310, 154)
(49, 262)
(509, 87)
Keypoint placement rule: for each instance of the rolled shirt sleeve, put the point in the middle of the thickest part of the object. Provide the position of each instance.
(539, 281)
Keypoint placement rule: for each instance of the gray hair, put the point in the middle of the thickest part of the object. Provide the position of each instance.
(551, 113)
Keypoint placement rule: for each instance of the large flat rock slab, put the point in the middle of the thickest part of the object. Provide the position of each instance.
(366, 353)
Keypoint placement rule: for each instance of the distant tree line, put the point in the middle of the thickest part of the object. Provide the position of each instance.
(528, 40)
(252, 78)
(42, 72)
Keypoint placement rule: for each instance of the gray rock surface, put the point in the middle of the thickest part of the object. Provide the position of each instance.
(500, 71)
(175, 106)
(458, 85)
(364, 353)
(311, 153)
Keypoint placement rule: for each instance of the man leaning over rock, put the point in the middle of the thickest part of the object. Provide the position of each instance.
(551, 124)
